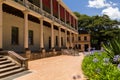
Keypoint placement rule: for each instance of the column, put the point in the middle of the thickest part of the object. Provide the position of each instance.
(52, 35)
(26, 29)
(58, 10)
(77, 24)
(70, 19)
(41, 4)
(41, 33)
(1, 27)
(66, 37)
(74, 23)
(65, 16)
(52, 7)
(59, 37)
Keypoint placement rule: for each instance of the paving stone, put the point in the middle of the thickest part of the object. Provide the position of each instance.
(55, 68)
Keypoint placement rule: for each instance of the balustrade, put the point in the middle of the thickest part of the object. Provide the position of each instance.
(37, 9)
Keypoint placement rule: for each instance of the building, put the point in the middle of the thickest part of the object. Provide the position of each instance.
(83, 41)
(34, 25)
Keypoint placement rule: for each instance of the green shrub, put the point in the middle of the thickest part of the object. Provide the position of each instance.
(113, 48)
(99, 67)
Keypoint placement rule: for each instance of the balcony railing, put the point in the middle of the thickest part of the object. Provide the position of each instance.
(37, 9)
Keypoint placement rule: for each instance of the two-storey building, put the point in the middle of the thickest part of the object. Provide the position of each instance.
(36, 25)
(83, 41)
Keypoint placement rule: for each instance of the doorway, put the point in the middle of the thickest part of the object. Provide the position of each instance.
(86, 47)
(49, 42)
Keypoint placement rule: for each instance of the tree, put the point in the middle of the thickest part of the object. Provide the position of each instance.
(101, 28)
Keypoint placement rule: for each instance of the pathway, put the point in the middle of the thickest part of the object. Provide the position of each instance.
(62, 67)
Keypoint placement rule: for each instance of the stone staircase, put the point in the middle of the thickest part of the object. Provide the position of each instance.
(8, 67)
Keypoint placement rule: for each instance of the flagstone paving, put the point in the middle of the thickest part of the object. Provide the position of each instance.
(62, 67)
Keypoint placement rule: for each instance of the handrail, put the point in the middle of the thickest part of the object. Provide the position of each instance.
(21, 60)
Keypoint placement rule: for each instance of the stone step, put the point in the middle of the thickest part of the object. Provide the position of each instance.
(5, 62)
(11, 72)
(9, 68)
(3, 58)
(7, 65)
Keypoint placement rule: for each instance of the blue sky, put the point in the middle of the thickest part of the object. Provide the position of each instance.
(96, 7)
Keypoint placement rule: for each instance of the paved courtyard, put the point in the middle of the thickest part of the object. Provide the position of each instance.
(62, 67)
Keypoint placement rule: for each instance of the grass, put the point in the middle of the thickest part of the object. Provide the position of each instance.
(98, 66)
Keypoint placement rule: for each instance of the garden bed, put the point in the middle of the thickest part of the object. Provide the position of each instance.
(99, 66)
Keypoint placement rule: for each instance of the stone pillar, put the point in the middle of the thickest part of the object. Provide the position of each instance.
(65, 16)
(26, 29)
(74, 23)
(70, 19)
(42, 49)
(27, 51)
(77, 24)
(1, 27)
(51, 7)
(59, 37)
(41, 5)
(58, 10)
(41, 34)
(52, 35)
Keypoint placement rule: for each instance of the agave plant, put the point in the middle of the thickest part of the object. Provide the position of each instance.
(113, 48)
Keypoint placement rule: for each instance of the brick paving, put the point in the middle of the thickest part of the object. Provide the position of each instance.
(62, 67)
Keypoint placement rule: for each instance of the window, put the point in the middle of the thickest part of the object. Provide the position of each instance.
(56, 40)
(49, 42)
(61, 41)
(85, 38)
(15, 36)
(30, 37)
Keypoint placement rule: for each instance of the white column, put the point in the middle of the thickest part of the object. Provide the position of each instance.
(52, 35)
(77, 24)
(59, 37)
(1, 26)
(70, 19)
(41, 33)
(51, 7)
(58, 10)
(74, 23)
(41, 5)
(65, 16)
(26, 29)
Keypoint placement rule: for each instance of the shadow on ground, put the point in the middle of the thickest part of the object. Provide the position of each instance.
(16, 75)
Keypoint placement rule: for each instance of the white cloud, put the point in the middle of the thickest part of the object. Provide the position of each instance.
(98, 3)
(112, 12)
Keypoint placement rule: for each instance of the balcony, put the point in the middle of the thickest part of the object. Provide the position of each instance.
(40, 11)
(83, 41)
